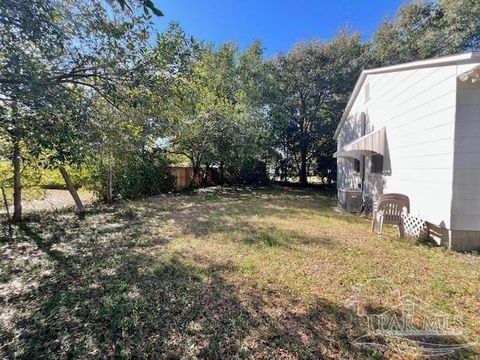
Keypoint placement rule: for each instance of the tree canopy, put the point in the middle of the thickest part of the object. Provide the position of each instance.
(88, 84)
(424, 29)
(314, 81)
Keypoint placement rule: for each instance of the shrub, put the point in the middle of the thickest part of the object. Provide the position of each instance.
(251, 172)
(134, 176)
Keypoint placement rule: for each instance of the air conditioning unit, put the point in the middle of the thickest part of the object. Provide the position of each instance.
(350, 200)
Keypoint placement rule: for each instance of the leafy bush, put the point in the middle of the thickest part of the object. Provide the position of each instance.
(134, 176)
(251, 172)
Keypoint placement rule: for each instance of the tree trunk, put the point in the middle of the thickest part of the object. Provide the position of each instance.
(5, 203)
(110, 180)
(71, 188)
(196, 161)
(303, 168)
(284, 175)
(17, 183)
(222, 173)
(205, 176)
(196, 170)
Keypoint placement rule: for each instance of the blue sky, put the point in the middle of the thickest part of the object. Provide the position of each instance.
(277, 23)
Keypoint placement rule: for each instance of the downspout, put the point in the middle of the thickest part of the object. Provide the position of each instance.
(362, 161)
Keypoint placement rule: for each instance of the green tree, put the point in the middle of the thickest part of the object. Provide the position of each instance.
(424, 29)
(124, 157)
(313, 80)
(148, 6)
(303, 91)
(58, 51)
(185, 110)
(251, 142)
(126, 140)
(345, 58)
(217, 115)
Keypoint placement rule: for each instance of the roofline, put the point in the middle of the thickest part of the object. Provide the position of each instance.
(439, 61)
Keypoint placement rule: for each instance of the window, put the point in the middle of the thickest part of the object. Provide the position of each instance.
(367, 92)
(356, 165)
(377, 164)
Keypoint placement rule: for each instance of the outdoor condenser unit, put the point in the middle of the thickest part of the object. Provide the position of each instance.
(350, 200)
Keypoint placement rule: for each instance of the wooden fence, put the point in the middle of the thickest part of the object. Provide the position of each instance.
(183, 176)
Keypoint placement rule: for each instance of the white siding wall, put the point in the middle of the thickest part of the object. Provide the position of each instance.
(417, 107)
(347, 177)
(466, 180)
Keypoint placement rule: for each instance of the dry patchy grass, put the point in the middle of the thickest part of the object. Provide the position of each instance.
(219, 274)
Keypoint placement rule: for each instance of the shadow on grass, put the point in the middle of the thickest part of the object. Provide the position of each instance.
(84, 288)
(286, 239)
(118, 302)
(234, 210)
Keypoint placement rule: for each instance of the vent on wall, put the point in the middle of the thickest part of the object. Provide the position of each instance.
(367, 92)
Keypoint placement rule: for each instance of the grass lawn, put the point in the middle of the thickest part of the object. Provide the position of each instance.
(226, 274)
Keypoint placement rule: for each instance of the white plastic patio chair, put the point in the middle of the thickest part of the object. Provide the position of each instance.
(388, 210)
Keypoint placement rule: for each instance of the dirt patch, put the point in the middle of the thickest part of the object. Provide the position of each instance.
(54, 200)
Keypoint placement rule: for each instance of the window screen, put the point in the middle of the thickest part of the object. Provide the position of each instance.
(377, 164)
(356, 165)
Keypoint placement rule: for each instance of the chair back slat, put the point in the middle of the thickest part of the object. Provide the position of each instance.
(392, 206)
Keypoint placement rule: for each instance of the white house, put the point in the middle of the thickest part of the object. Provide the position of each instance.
(415, 129)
